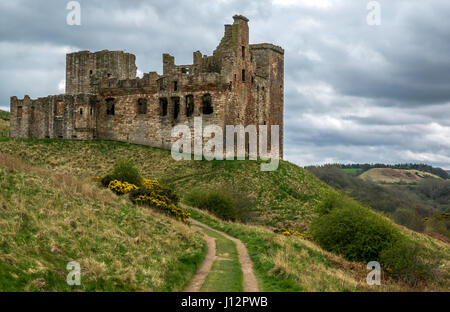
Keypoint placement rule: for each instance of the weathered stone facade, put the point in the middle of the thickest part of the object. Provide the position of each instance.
(240, 84)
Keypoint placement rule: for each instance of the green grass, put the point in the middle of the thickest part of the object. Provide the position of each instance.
(4, 124)
(48, 220)
(283, 198)
(4, 114)
(286, 197)
(226, 273)
(354, 171)
(288, 264)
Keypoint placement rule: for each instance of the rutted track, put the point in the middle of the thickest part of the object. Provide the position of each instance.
(250, 283)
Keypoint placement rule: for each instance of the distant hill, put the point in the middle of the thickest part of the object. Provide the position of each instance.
(357, 169)
(4, 123)
(389, 175)
(4, 115)
(406, 204)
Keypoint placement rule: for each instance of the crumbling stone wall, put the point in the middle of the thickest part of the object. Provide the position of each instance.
(240, 83)
(85, 70)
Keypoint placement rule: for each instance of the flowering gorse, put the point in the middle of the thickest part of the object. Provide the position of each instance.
(288, 232)
(151, 193)
(121, 188)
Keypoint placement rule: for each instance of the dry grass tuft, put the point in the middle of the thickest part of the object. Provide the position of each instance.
(49, 219)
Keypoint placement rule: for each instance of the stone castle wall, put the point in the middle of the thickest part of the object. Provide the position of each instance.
(240, 84)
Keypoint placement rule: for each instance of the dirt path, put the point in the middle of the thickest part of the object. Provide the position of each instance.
(205, 268)
(250, 283)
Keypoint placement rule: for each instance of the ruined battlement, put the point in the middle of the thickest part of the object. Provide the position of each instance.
(239, 84)
(267, 46)
(84, 69)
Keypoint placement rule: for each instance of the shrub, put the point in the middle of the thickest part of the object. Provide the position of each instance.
(221, 204)
(244, 205)
(439, 224)
(153, 194)
(106, 180)
(121, 188)
(123, 171)
(408, 261)
(290, 232)
(345, 227)
(156, 187)
(408, 218)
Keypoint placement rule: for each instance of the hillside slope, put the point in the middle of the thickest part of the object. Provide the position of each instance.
(389, 175)
(4, 123)
(285, 197)
(48, 220)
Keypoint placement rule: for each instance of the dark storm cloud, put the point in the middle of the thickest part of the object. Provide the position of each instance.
(353, 93)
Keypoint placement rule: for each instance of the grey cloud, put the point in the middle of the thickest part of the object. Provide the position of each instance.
(382, 93)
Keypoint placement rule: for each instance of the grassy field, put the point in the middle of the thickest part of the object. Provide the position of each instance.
(389, 175)
(49, 219)
(354, 171)
(284, 198)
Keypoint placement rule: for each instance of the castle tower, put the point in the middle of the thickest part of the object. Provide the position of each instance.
(85, 69)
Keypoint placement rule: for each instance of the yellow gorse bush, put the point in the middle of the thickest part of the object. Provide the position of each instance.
(288, 232)
(150, 184)
(170, 208)
(152, 194)
(440, 217)
(121, 187)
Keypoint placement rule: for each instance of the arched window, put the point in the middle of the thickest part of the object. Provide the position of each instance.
(142, 106)
(206, 104)
(163, 106)
(189, 105)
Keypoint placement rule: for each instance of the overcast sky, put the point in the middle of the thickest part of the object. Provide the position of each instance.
(353, 92)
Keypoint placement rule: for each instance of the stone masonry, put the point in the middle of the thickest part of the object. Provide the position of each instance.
(240, 84)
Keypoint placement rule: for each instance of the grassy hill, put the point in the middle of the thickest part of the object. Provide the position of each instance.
(406, 204)
(49, 219)
(389, 175)
(4, 123)
(286, 197)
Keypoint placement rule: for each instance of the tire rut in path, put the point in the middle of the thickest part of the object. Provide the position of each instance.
(250, 283)
(205, 268)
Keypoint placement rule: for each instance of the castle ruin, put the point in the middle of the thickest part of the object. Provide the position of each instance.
(240, 84)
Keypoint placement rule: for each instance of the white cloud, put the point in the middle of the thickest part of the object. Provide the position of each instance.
(62, 86)
(321, 4)
(424, 157)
